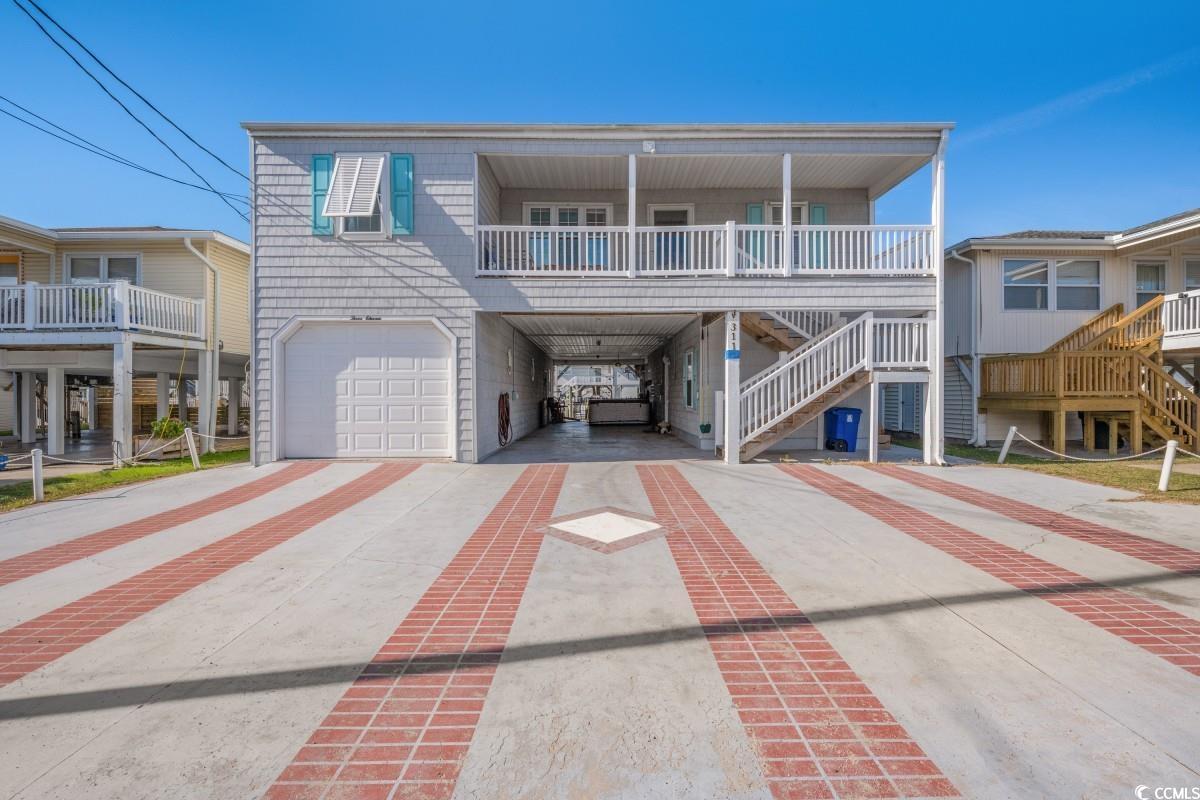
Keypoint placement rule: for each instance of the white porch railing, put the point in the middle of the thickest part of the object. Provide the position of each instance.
(865, 343)
(700, 250)
(1181, 316)
(99, 306)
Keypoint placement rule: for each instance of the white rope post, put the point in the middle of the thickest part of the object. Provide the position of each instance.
(39, 487)
(191, 445)
(1008, 440)
(1168, 464)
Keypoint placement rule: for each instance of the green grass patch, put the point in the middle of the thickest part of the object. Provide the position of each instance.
(985, 454)
(1183, 488)
(21, 494)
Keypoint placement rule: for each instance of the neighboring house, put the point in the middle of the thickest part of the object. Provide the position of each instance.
(406, 275)
(114, 324)
(621, 382)
(1054, 330)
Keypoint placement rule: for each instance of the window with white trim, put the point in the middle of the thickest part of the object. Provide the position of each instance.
(1077, 285)
(689, 378)
(10, 269)
(1026, 284)
(568, 215)
(1191, 274)
(1150, 279)
(358, 192)
(102, 269)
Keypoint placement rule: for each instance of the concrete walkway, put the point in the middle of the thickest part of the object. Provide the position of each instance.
(656, 628)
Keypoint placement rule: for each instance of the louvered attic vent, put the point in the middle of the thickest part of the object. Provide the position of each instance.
(354, 189)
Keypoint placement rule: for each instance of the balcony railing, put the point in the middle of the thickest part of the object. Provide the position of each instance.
(99, 306)
(1181, 316)
(705, 250)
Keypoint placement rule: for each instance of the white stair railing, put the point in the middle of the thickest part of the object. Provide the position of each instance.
(1181, 314)
(808, 324)
(777, 392)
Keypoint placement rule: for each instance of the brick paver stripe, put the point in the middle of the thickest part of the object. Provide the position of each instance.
(818, 730)
(37, 561)
(403, 728)
(1152, 551)
(39, 641)
(1159, 630)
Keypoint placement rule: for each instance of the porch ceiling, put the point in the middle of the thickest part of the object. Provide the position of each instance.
(877, 173)
(599, 338)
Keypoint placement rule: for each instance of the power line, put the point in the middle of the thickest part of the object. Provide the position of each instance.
(126, 109)
(136, 93)
(96, 149)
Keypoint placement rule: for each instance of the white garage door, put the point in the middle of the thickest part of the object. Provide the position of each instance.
(366, 390)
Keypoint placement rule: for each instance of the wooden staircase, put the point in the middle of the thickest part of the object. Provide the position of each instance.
(1110, 368)
(769, 331)
(804, 415)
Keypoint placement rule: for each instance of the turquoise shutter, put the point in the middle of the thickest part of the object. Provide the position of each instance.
(818, 242)
(402, 193)
(756, 241)
(322, 170)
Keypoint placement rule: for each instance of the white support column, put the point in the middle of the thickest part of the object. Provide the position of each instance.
(92, 414)
(873, 421)
(28, 408)
(162, 390)
(122, 399)
(733, 385)
(14, 397)
(204, 397)
(56, 420)
(935, 454)
(231, 410)
(787, 214)
(631, 253)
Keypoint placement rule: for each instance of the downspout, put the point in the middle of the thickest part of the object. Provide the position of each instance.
(215, 368)
(974, 341)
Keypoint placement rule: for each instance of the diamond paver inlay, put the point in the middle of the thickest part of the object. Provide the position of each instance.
(605, 530)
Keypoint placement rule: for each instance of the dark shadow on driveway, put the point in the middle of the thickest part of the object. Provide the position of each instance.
(278, 680)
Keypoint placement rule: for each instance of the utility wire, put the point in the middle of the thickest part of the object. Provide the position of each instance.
(126, 109)
(135, 92)
(96, 149)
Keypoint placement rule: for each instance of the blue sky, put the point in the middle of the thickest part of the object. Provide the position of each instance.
(1069, 115)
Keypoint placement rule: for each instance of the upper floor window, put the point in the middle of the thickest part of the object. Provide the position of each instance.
(1026, 284)
(1077, 285)
(10, 269)
(1191, 274)
(358, 192)
(1151, 280)
(567, 215)
(102, 268)
(1040, 284)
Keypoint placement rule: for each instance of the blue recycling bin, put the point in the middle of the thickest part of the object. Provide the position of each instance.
(841, 429)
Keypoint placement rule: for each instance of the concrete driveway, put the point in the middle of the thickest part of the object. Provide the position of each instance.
(675, 629)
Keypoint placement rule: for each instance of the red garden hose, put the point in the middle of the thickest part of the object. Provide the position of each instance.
(505, 425)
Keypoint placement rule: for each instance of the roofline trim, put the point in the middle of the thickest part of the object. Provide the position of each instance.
(602, 131)
(126, 236)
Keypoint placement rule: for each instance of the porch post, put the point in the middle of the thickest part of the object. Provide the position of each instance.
(631, 245)
(733, 387)
(92, 416)
(28, 408)
(231, 410)
(873, 421)
(162, 386)
(55, 417)
(936, 454)
(928, 436)
(787, 214)
(204, 398)
(122, 400)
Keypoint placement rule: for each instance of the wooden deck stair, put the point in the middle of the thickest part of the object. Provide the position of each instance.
(803, 415)
(1111, 367)
(774, 334)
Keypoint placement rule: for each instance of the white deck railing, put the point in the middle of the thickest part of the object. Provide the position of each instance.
(865, 343)
(99, 306)
(699, 250)
(1181, 316)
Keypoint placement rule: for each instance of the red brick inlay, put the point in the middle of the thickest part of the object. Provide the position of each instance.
(39, 641)
(403, 728)
(37, 561)
(818, 730)
(1161, 554)
(1159, 630)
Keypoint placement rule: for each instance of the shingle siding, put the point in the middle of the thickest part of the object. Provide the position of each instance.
(432, 272)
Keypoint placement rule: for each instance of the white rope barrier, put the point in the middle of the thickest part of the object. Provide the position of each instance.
(222, 438)
(1026, 439)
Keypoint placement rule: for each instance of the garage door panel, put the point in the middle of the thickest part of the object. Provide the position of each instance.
(367, 390)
